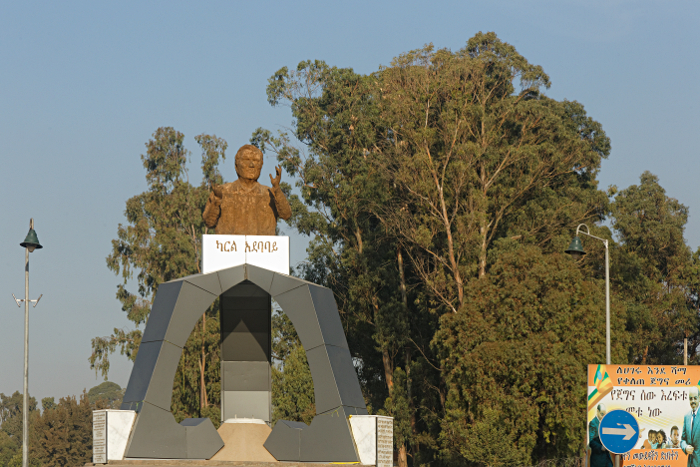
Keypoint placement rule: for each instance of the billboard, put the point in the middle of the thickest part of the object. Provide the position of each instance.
(659, 397)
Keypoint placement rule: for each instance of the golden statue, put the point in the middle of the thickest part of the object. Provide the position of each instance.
(245, 207)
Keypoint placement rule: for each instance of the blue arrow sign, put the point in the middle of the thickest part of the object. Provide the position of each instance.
(618, 431)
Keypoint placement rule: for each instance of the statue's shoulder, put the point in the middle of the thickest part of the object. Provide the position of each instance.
(231, 187)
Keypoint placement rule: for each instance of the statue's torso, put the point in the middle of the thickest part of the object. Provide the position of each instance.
(247, 211)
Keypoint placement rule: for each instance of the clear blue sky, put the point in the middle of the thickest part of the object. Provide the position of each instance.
(83, 85)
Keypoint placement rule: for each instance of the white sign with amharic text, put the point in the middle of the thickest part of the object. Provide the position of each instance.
(225, 251)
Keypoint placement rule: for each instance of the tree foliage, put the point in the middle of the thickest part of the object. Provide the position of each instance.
(11, 428)
(515, 359)
(414, 181)
(59, 436)
(109, 392)
(470, 154)
(62, 435)
(655, 272)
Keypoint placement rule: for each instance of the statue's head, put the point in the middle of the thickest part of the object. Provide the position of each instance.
(249, 161)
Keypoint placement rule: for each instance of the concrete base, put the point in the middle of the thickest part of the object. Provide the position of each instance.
(244, 442)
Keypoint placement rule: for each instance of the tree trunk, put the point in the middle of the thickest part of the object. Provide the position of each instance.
(403, 458)
(388, 370)
(482, 250)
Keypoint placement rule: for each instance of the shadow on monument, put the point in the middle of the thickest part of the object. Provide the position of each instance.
(314, 314)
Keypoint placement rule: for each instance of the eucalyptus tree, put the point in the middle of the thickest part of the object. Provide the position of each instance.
(475, 159)
(656, 273)
(411, 179)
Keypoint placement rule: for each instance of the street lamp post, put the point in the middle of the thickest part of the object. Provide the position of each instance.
(576, 250)
(30, 243)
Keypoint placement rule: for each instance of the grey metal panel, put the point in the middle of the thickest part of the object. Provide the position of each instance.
(299, 307)
(156, 434)
(345, 377)
(246, 303)
(326, 390)
(244, 288)
(284, 442)
(191, 304)
(246, 404)
(245, 376)
(245, 346)
(161, 311)
(349, 410)
(135, 406)
(231, 276)
(328, 316)
(209, 282)
(360, 411)
(153, 374)
(329, 439)
(203, 441)
(259, 276)
(253, 317)
(335, 380)
(282, 283)
(174, 323)
(245, 320)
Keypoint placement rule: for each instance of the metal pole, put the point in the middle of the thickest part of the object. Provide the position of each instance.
(607, 304)
(25, 401)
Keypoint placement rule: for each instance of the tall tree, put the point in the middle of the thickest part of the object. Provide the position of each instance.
(161, 242)
(410, 179)
(352, 252)
(655, 272)
(470, 154)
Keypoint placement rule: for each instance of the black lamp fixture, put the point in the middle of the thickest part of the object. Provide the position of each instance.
(31, 242)
(576, 248)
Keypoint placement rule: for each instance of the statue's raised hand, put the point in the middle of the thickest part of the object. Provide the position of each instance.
(215, 195)
(217, 190)
(276, 181)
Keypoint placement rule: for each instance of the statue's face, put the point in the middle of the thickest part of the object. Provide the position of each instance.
(249, 165)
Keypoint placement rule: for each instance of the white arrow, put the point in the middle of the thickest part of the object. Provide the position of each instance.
(628, 431)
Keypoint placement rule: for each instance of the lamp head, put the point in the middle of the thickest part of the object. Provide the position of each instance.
(31, 242)
(576, 248)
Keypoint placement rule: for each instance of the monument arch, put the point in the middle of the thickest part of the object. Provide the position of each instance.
(178, 306)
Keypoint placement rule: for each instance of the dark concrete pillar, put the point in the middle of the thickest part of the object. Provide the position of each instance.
(246, 346)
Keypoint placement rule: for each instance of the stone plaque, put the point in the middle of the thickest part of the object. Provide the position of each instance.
(374, 438)
(385, 441)
(99, 437)
(110, 434)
